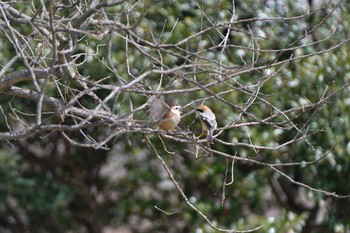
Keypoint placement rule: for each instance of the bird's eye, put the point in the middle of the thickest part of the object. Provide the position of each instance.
(199, 110)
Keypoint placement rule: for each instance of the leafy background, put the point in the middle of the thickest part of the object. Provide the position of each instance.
(49, 185)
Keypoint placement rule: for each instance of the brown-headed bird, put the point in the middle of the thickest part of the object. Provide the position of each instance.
(168, 117)
(208, 120)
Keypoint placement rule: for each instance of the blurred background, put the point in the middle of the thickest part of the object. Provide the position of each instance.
(275, 73)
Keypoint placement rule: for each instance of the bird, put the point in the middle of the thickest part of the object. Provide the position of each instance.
(208, 120)
(168, 117)
(171, 119)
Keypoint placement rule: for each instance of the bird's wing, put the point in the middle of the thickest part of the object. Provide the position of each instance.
(157, 108)
(209, 123)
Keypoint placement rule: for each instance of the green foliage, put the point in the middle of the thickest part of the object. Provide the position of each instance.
(37, 195)
(61, 187)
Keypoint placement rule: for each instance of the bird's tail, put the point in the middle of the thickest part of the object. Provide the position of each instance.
(210, 136)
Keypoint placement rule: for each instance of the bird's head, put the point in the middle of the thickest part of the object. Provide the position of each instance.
(175, 109)
(202, 109)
